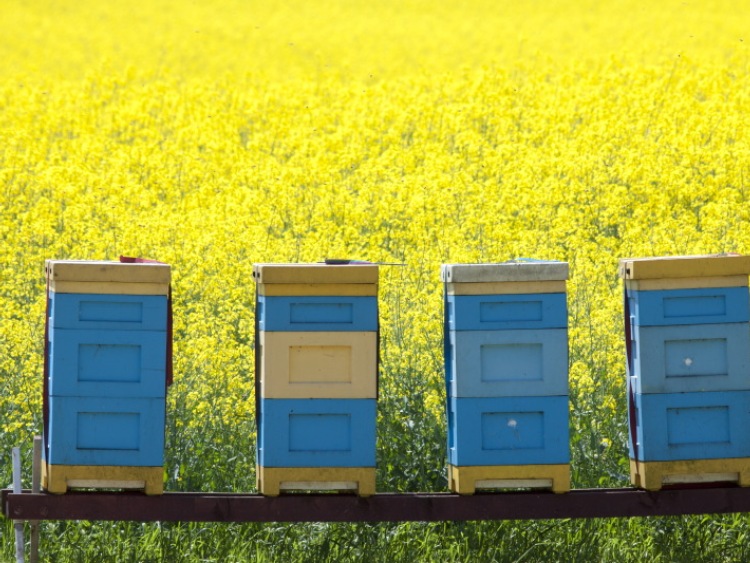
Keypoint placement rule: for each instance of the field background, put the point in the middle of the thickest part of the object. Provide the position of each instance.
(212, 135)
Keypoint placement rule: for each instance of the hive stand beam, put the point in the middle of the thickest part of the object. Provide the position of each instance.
(381, 507)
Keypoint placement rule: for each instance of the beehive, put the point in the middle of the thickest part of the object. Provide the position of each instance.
(316, 380)
(687, 325)
(506, 367)
(105, 388)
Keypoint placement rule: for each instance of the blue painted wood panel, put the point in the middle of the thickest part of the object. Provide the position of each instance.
(684, 426)
(691, 358)
(316, 433)
(107, 312)
(106, 431)
(499, 363)
(502, 312)
(107, 363)
(689, 306)
(508, 431)
(317, 313)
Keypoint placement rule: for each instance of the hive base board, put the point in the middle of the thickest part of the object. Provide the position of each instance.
(58, 479)
(272, 480)
(653, 475)
(465, 480)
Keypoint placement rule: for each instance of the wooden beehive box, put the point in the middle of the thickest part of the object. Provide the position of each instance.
(317, 346)
(506, 329)
(106, 381)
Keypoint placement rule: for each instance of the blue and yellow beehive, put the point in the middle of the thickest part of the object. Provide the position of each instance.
(506, 368)
(106, 372)
(687, 325)
(316, 376)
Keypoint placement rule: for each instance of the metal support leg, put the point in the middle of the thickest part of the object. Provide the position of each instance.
(18, 524)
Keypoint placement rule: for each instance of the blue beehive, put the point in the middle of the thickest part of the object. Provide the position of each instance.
(508, 431)
(316, 377)
(317, 433)
(506, 368)
(106, 375)
(687, 324)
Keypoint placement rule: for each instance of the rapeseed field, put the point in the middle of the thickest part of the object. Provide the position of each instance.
(213, 135)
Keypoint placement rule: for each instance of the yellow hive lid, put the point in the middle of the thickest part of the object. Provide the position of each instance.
(716, 265)
(317, 273)
(98, 277)
(511, 271)
(107, 271)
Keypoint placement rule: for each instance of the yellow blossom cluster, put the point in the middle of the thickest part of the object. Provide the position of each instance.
(218, 134)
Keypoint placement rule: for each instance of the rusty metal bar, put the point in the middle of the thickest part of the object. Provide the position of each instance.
(231, 507)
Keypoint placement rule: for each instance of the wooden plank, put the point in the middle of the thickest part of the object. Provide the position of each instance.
(506, 363)
(308, 365)
(506, 312)
(106, 431)
(317, 433)
(108, 363)
(672, 427)
(691, 358)
(58, 479)
(108, 312)
(685, 266)
(102, 271)
(381, 507)
(513, 271)
(273, 480)
(654, 475)
(686, 283)
(694, 306)
(465, 480)
(315, 273)
(506, 288)
(109, 288)
(321, 289)
(316, 313)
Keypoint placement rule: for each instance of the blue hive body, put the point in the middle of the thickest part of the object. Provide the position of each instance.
(506, 369)
(316, 381)
(508, 430)
(688, 329)
(317, 433)
(107, 366)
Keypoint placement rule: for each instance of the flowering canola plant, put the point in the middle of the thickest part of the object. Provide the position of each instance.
(212, 136)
